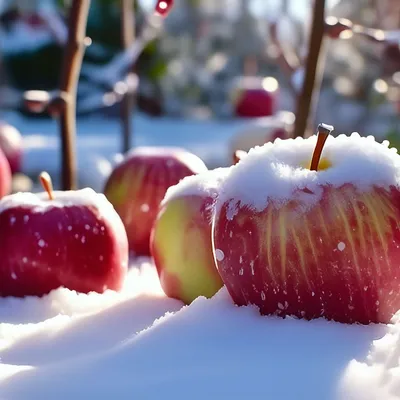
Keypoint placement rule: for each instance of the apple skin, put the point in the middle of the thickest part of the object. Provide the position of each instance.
(11, 144)
(82, 247)
(184, 259)
(5, 176)
(339, 260)
(138, 184)
(253, 98)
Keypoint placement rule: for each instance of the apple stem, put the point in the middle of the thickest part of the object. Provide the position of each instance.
(47, 184)
(324, 131)
(238, 155)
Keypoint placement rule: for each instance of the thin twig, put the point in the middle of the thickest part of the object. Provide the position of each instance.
(127, 104)
(72, 63)
(305, 98)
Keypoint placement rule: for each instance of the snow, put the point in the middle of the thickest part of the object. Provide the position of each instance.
(276, 170)
(40, 202)
(140, 344)
(99, 136)
(137, 343)
(203, 184)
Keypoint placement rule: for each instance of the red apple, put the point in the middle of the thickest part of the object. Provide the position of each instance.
(11, 144)
(138, 184)
(313, 243)
(255, 97)
(73, 239)
(163, 7)
(5, 175)
(181, 238)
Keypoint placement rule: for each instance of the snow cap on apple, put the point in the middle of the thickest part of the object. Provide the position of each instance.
(138, 184)
(181, 237)
(73, 239)
(313, 242)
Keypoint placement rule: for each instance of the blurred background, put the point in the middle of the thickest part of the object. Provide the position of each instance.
(198, 82)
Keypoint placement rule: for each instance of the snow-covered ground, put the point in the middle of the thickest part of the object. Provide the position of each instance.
(101, 136)
(138, 344)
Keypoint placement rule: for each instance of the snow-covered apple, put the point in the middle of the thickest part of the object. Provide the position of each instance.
(138, 184)
(313, 239)
(11, 144)
(73, 239)
(255, 96)
(180, 242)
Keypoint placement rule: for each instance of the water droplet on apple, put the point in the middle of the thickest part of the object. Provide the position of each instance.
(13, 275)
(24, 260)
(144, 208)
(12, 221)
(87, 227)
(241, 271)
(280, 305)
(69, 227)
(26, 218)
(41, 243)
(341, 246)
(262, 295)
(83, 240)
(219, 254)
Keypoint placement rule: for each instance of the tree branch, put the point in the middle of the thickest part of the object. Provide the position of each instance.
(72, 63)
(127, 104)
(305, 98)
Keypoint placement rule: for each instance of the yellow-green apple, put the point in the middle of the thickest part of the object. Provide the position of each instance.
(11, 144)
(255, 96)
(138, 184)
(73, 239)
(319, 239)
(181, 238)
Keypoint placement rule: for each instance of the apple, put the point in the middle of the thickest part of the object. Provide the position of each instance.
(73, 239)
(5, 175)
(163, 7)
(318, 242)
(255, 96)
(11, 144)
(138, 184)
(263, 130)
(180, 242)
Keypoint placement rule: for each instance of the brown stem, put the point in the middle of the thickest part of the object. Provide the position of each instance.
(304, 100)
(45, 181)
(72, 63)
(128, 102)
(323, 133)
